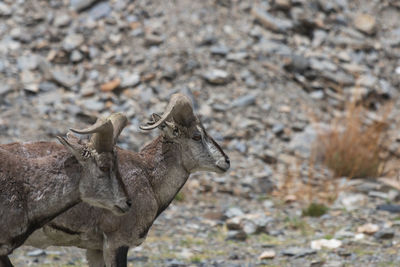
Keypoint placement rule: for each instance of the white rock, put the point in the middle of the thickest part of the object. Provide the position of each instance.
(268, 254)
(368, 228)
(359, 236)
(353, 201)
(325, 243)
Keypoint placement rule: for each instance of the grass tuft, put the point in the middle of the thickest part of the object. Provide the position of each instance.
(315, 210)
(352, 147)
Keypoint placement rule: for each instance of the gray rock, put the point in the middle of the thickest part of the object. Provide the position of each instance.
(243, 101)
(36, 253)
(340, 77)
(236, 235)
(297, 63)
(301, 143)
(384, 234)
(4, 88)
(76, 56)
(234, 223)
(270, 22)
(278, 128)
(129, 79)
(216, 76)
(152, 40)
(220, 50)
(100, 10)
(65, 79)
(319, 94)
(249, 227)
(5, 10)
(367, 80)
(62, 20)
(80, 5)
(93, 104)
(47, 86)
(237, 57)
(73, 41)
(298, 252)
(322, 65)
(29, 62)
(365, 23)
(273, 47)
(233, 212)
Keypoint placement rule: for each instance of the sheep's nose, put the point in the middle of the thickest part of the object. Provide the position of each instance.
(129, 203)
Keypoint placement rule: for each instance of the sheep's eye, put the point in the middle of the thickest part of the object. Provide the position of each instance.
(196, 137)
(105, 169)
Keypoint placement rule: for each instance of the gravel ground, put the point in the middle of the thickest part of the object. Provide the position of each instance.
(260, 73)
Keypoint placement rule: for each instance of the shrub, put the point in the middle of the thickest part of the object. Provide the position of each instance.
(315, 210)
(352, 147)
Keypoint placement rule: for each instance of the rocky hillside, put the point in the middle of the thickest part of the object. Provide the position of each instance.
(263, 75)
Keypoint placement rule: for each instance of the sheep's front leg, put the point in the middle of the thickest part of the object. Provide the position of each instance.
(95, 258)
(5, 262)
(116, 257)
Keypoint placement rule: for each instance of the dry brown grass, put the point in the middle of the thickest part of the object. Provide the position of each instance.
(352, 147)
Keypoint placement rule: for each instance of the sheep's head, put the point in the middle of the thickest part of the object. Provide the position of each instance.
(100, 184)
(199, 151)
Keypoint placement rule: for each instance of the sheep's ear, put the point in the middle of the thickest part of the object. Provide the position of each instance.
(76, 149)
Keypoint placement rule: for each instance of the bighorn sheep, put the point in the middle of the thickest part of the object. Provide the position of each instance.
(153, 177)
(39, 181)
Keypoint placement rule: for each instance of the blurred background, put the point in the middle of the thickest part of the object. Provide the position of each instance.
(302, 95)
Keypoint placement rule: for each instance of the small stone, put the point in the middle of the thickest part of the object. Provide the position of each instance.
(100, 10)
(290, 198)
(384, 234)
(234, 223)
(152, 39)
(216, 76)
(267, 254)
(62, 20)
(389, 207)
(4, 88)
(47, 86)
(368, 228)
(111, 85)
(325, 243)
(367, 80)
(365, 23)
(5, 10)
(65, 79)
(220, 50)
(29, 62)
(318, 95)
(353, 201)
(298, 252)
(270, 22)
(36, 253)
(93, 104)
(80, 5)
(73, 41)
(278, 128)
(237, 57)
(243, 101)
(233, 212)
(236, 235)
(76, 56)
(249, 227)
(129, 79)
(283, 4)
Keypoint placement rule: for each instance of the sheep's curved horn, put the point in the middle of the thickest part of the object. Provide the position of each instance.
(179, 108)
(102, 138)
(119, 122)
